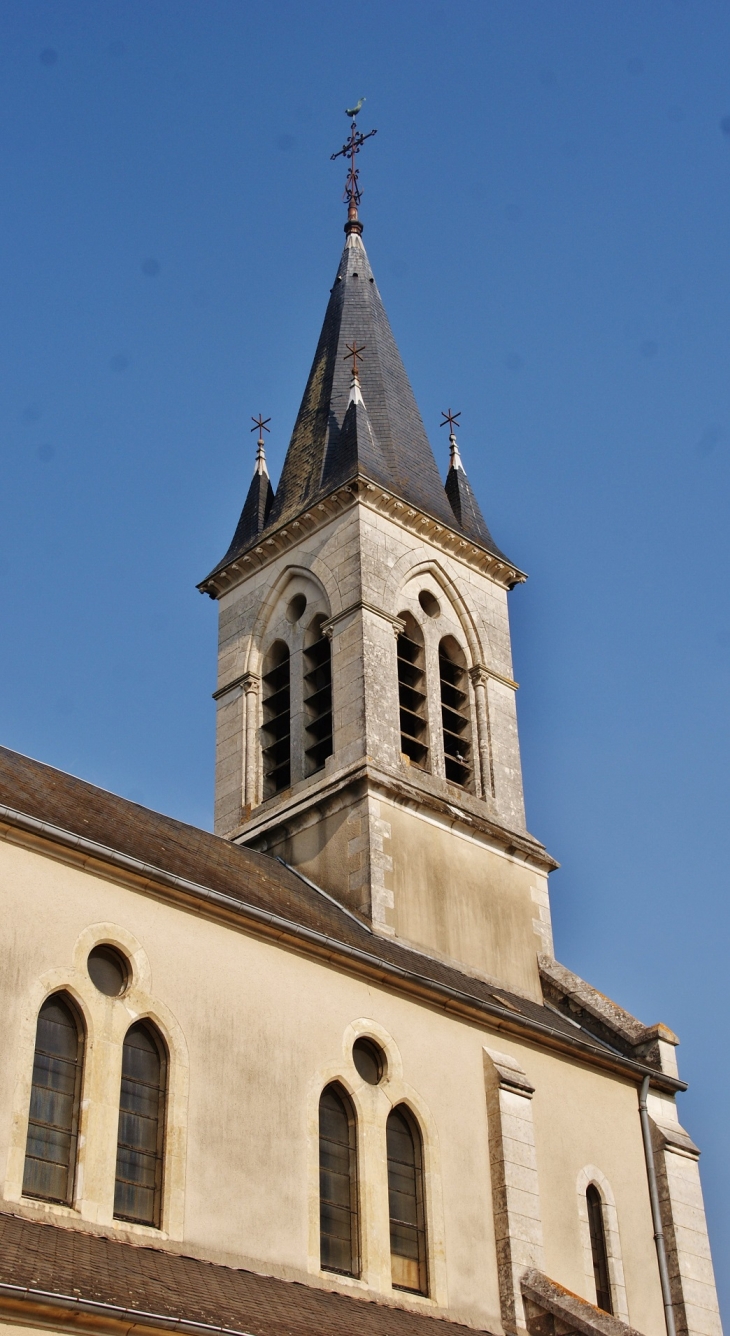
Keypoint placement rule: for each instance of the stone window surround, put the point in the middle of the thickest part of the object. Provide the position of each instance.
(107, 1020)
(372, 1104)
(588, 1175)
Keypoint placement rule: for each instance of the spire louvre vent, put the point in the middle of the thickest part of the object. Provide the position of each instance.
(318, 700)
(276, 728)
(412, 694)
(455, 714)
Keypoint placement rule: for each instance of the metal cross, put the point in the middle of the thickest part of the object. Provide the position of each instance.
(353, 194)
(451, 418)
(354, 355)
(261, 425)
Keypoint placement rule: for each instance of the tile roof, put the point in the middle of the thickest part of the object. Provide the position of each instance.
(262, 886)
(395, 452)
(52, 1260)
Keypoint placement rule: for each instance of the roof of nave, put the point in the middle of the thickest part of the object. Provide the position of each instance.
(262, 891)
(88, 1270)
(385, 441)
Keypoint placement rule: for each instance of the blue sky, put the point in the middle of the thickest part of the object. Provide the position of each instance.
(546, 209)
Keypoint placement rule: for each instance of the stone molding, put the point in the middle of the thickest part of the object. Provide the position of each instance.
(587, 1176)
(551, 1310)
(575, 998)
(373, 495)
(515, 1188)
(691, 1274)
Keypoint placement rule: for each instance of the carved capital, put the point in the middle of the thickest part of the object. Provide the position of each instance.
(479, 675)
(251, 684)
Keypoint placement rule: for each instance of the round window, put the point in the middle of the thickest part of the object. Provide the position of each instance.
(429, 603)
(296, 607)
(108, 970)
(369, 1060)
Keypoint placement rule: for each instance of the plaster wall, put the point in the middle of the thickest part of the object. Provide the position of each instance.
(254, 1033)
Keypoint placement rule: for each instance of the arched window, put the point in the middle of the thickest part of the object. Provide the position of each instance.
(277, 720)
(317, 697)
(412, 693)
(140, 1144)
(53, 1125)
(598, 1248)
(405, 1195)
(455, 713)
(338, 1192)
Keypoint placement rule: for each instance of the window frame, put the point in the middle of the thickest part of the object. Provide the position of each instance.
(147, 1024)
(335, 1088)
(599, 1248)
(403, 1111)
(65, 999)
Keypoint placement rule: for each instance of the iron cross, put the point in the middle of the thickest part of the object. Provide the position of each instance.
(451, 418)
(354, 356)
(353, 194)
(260, 423)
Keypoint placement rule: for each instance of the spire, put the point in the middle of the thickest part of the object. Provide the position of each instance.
(258, 501)
(462, 500)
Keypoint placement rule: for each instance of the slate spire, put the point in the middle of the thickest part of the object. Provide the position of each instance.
(258, 501)
(466, 508)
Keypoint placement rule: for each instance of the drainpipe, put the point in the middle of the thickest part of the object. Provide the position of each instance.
(661, 1251)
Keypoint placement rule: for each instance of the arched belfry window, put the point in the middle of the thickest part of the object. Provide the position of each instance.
(412, 693)
(406, 1200)
(53, 1124)
(277, 720)
(338, 1189)
(455, 713)
(599, 1251)
(140, 1144)
(317, 697)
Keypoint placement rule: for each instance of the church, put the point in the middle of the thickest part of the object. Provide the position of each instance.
(320, 1071)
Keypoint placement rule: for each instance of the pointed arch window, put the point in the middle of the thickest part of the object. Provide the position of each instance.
(455, 713)
(406, 1201)
(412, 693)
(277, 719)
(140, 1144)
(317, 697)
(53, 1124)
(338, 1187)
(599, 1251)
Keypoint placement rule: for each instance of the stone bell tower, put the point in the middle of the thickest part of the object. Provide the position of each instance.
(367, 728)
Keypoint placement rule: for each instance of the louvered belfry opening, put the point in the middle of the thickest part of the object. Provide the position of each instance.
(338, 1187)
(409, 1269)
(50, 1152)
(598, 1248)
(277, 720)
(318, 743)
(412, 693)
(140, 1144)
(455, 713)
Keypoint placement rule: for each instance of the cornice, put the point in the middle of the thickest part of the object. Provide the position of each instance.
(288, 535)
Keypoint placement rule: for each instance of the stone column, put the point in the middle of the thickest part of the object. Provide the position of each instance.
(479, 678)
(251, 689)
(515, 1193)
(696, 1311)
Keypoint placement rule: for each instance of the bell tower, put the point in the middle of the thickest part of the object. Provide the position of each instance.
(367, 729)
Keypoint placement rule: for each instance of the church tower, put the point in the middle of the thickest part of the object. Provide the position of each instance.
(367, 728)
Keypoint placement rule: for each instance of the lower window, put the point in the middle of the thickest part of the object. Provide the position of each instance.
(405, 1194)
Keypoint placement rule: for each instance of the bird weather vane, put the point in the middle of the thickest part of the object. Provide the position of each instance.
(452, 419)
(353, 355)
(352, 193)
(260, 426)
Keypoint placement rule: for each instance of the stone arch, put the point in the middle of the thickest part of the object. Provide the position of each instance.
(298, 577)
(406, 570)
(590, 1175)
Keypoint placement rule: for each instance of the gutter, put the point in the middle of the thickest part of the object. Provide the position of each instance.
(96, 1308)
(340, 953)
(656, 1215)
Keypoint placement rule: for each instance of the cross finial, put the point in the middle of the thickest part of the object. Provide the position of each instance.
(260, 426)
(453, 421)
(353, 355)
(350, 149)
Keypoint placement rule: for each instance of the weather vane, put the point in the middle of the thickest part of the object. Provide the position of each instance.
(353, 355)
(352, 194)
(452, 419)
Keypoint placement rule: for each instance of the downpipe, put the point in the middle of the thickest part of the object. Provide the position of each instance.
(656, 1214)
